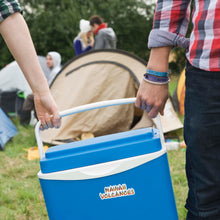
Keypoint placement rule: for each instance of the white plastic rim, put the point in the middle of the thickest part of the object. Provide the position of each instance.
(102, 169)
(91, 106)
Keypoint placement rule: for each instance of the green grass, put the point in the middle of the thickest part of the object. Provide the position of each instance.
(20, 192)
(177, 170)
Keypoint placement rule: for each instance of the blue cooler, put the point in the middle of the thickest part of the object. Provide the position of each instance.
(123, 176)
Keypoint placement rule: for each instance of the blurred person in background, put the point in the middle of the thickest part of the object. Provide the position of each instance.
(84, 41)
(53, 60)
(105, 37)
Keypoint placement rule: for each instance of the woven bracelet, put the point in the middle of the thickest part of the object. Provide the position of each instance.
(156, 73)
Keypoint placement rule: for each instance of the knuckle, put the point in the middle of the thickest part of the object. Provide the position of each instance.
(158, 104)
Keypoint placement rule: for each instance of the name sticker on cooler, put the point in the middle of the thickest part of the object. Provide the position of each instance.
(116, 191)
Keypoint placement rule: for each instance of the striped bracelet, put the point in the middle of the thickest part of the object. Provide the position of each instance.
(156, 73)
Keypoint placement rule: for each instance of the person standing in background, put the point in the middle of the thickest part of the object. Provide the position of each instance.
(84, 41)
(105, 37)
(15, 32)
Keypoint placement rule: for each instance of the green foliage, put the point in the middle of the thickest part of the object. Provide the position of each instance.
(54, 24)
(5, 55)
(179, 61)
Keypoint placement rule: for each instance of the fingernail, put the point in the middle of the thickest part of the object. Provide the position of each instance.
(50, 125)
(149, 107)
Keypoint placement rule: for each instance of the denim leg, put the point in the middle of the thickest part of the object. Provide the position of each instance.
(202, 137)
(190, 216)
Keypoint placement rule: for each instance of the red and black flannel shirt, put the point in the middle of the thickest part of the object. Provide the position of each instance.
(170, 25)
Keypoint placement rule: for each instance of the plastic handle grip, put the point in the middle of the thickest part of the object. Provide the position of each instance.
(87, 107)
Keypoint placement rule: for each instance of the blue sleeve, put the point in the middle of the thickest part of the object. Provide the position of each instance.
(78, 47)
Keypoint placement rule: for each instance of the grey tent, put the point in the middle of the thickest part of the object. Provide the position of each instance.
(95, 76)
(12, 81)
(11, 76)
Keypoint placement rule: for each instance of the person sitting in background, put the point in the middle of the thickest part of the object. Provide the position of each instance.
(105, 37)
(53, 60)
(84, 40)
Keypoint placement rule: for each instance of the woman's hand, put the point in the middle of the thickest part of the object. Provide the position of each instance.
(47, 111)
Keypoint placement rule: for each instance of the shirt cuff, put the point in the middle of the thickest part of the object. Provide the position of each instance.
(160, 38)
(8, 7)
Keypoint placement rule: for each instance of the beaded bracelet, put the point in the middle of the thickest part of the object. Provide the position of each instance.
(156, 80)
(156, 73)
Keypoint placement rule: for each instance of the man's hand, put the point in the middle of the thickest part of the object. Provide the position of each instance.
(152, 98)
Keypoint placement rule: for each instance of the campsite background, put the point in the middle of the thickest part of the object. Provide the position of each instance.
(53, 25)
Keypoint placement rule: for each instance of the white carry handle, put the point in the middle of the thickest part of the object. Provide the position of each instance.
(83, 108)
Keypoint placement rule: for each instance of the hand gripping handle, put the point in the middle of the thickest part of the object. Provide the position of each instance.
(87, 107)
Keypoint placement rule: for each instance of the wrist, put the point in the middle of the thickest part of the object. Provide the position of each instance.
(159, 59)
(41, 92)
(157, 73)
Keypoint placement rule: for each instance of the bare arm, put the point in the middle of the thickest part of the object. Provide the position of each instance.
(150, 94)
(16, 34)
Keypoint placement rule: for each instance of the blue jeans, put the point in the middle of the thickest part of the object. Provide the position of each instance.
(202, 137)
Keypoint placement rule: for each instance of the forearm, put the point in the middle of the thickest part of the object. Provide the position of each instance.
(152, 97)
(158, 60)
(15, 32)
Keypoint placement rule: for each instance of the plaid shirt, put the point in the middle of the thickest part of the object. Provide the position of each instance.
(8, 7)
(170, 25)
